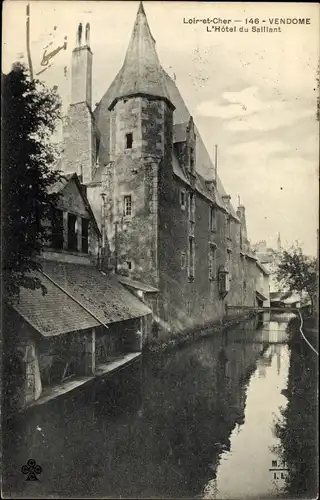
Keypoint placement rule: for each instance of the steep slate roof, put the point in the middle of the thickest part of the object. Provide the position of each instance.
(181, 115)
(56, 313)
(141, 72)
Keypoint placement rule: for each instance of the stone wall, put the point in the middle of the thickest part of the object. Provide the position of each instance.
(135, 172)
(187, 303)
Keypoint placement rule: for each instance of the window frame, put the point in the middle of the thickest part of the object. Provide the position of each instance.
(183, 199)
(183, 260)
(57, 229)
(129, 139)
(212, 219)
(191, 258)
(228, 227)
(229, 263)
(192, 207)
(212, 262)
(127, 197)
(72, 243)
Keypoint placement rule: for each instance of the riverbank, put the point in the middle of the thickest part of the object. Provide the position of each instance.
(178, 417)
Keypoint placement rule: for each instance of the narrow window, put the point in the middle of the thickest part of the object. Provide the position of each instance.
(228, 226)
(229, 263)
(72, 233)
(191, 159)
(57, 229)
(182, 199)
(191, 258)
(129, 141)
(183, 260)
(129, 265)
(192, 207)
(85, 235)
(127, 206)
(212, 263)
(212, 218)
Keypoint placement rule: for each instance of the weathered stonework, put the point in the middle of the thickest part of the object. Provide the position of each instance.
(150, 153)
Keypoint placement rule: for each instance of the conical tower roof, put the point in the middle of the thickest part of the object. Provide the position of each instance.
(141, 72)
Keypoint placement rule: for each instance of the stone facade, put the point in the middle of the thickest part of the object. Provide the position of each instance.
(165, 224)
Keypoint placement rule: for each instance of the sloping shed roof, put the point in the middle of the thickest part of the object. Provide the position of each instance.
(102, 294)
(56, 313)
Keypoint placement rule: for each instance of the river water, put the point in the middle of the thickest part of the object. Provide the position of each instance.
(197, 422)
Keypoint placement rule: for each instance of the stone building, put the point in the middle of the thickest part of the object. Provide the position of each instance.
(87, 323)
(166, 220)
(270, 258)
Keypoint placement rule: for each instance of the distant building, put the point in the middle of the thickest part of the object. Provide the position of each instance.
(269, 257)
(165, 217)
(263, 286)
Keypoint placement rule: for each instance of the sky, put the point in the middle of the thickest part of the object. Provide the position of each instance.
(251, 93)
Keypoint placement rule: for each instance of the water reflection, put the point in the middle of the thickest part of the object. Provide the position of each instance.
(297, 426)
(194, 422)
(244, 470)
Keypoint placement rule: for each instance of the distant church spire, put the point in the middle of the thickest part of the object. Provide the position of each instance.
(141, 72)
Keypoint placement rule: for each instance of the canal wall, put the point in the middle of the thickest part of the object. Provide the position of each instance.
(189, 335)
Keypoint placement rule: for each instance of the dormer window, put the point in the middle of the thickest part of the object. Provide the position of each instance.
(129, 140)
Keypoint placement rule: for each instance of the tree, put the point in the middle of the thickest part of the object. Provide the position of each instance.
(30, 112)
(298, 272)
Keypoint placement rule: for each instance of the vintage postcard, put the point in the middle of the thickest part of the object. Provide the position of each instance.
(159, 249)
